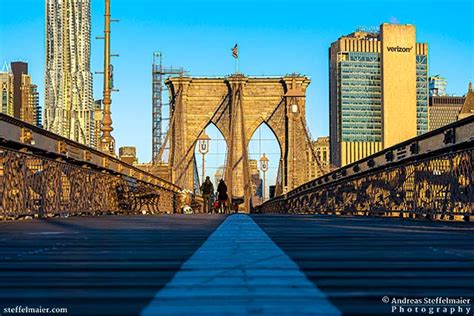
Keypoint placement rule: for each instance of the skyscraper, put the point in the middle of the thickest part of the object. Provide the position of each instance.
(6, 90)
(20, 90)
(69, 109)
(438, 86)
(378, 91)
(35, 106)
(27, 102)
(24, 101)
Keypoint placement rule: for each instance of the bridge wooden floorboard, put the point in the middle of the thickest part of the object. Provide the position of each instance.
(115, 265)
(358, 260)
(111, 265)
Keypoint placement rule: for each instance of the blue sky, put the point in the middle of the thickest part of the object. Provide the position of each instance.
(275, 37)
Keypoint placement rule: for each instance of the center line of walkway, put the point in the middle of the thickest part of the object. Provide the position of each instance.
(239, 270)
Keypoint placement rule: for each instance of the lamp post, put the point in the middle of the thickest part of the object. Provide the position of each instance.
(203, 146)
(264, 168)
(107, 141)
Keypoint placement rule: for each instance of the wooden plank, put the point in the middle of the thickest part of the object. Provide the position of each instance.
(358, 260)
(110, 265)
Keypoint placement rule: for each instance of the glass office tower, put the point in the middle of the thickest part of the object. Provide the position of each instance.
(378, 91)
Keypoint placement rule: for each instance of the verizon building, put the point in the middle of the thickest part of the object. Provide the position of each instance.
(378, 89)
(69, 108)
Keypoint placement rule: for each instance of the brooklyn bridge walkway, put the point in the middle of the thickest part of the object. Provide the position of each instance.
(231, 265)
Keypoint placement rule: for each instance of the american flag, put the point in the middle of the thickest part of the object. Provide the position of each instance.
(235, 51)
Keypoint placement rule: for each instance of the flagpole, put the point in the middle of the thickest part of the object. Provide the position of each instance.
(235, 54)
(238, 56)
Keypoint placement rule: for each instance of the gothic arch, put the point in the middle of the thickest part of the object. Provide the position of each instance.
(237, 105)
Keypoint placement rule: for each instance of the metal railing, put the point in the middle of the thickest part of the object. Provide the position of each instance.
(43, 174)
(429, 176)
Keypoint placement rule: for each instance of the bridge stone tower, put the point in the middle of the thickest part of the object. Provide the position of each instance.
(238, 105)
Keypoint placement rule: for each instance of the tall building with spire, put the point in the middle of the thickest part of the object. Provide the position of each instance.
(6, 90)
(69, 105)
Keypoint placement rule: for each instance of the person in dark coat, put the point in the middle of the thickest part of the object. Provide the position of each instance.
(207, 189)
(222, 195)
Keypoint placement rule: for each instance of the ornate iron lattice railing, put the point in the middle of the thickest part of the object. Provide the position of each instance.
(430, 176)
(45, 174)
(31, 185)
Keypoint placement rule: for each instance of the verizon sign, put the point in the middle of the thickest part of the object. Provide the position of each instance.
(399, 49)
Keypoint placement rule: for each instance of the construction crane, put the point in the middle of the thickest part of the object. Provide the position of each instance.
(158, 73)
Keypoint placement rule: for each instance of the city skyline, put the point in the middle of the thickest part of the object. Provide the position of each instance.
(205, 47)
(342, 163)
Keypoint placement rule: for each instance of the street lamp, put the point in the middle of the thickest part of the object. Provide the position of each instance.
(203, 146)
(107, 141)
(264, 168)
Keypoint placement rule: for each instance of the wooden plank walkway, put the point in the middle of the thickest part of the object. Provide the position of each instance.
(117, 265)
(109, 265)
(357, 261)
(240, 271)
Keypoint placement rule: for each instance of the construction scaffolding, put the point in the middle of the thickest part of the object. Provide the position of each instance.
(158, 74)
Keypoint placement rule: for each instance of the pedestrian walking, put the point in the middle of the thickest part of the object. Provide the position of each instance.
(222, 195)
(207, 189)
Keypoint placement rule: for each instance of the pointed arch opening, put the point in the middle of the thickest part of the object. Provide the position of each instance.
(212, 164)
(264, 147)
